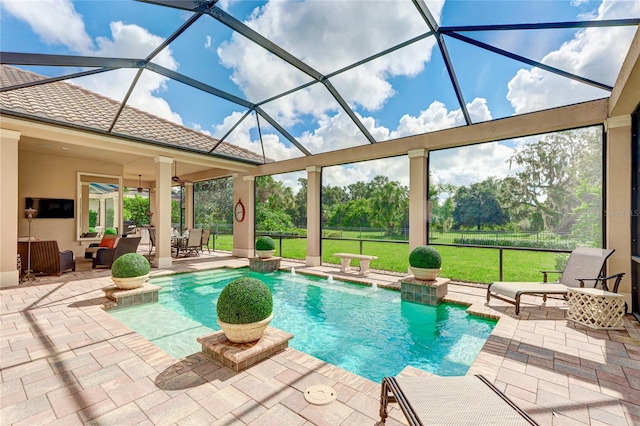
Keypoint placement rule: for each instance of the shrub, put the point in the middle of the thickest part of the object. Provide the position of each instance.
(553, 244)
(110, 231)
(244, 300)
(425, 257)
(265, 243)
(130, 265)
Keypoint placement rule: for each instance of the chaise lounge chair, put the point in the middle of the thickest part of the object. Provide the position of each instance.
(467, 400)
(584, 265)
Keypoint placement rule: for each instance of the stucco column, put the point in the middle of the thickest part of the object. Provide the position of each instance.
(244, 232)
(314, 216)
(162, 216)
(188, 205)
(618, 200)
(85, 207)
(9, 209)
(418, 198)
(152, 204)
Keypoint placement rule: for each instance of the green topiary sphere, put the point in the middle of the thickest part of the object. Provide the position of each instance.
(130, 265)
(265, 243)
(425, 257)
(110, 231)
(244, 300)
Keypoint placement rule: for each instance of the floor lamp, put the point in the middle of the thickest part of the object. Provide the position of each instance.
(29, 276)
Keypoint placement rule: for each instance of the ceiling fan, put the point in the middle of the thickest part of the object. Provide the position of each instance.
(175, 177)
(140, 188)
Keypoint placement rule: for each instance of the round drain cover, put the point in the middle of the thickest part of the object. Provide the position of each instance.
(320, 395)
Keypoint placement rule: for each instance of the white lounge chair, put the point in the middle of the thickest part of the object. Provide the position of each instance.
(584, 265)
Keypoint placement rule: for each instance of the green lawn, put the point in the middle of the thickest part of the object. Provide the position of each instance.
(459, 263)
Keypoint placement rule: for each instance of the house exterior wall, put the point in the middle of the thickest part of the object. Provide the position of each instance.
(51, 176)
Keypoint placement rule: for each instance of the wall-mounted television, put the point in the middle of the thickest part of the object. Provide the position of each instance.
(51, 208)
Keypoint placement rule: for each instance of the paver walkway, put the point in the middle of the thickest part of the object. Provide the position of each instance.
(64, 360)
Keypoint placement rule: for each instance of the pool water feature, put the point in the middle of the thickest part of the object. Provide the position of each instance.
(369, 332)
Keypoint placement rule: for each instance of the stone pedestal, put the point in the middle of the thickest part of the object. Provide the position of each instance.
(270, 264)
(239, 356)
(424, 292)
(146, 294)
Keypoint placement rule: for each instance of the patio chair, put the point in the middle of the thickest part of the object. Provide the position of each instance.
(46, 258)
(152, 239)
(194, 243)
(106, 256)
(206, 235)
(584, 265)
(466, 400)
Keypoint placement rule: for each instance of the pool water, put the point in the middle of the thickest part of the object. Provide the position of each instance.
(367, 331)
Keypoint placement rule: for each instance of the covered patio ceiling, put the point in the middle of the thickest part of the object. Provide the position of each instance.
(289, 79)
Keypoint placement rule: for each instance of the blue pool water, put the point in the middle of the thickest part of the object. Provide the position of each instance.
(370, 332)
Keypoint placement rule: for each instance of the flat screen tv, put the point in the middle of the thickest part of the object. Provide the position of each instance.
(51, 208)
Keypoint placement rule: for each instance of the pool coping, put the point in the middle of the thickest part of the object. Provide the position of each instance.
(65, 359)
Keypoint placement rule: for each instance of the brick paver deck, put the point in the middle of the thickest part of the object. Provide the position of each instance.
(64, 360)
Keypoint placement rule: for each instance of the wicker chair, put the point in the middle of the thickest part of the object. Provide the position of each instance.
(46, 258)
(106, 256)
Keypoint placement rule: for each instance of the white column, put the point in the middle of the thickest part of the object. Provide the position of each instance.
(244, 232)
(102, 214)
(418, 198)
(9, 209)
(188, 205)
(162, 216)
(618, 200)
(314, 216)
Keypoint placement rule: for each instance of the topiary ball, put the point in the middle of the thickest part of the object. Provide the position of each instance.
(130, 265)
(111, 231)
(243, 301)
(265, 243)
(425, 257)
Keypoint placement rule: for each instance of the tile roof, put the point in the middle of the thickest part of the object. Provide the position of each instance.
(68, 103)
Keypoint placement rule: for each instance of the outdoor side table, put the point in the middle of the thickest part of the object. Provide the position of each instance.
(596, 308)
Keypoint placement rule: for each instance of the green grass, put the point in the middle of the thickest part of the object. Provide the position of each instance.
(458, 263)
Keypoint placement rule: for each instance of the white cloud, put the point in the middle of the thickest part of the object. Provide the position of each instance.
(437, 117)
(56, 23)
(534, 89)
(322, 41)
(274, 148)
(395, 168)
(59, 23)
(578, 2)
(207, 43)
(132, 41)
(470, 164)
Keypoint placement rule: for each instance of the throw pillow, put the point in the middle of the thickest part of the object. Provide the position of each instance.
(107, 242)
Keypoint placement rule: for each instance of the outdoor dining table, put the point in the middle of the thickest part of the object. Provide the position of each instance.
(177, 242)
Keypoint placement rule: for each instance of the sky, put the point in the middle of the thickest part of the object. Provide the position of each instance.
(400, 94)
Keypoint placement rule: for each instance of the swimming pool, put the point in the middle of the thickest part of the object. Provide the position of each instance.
(370, 332)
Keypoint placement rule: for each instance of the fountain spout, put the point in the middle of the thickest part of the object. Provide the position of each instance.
(293, 271)
(330, 278)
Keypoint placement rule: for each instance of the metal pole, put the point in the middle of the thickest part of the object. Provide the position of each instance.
(500, 264)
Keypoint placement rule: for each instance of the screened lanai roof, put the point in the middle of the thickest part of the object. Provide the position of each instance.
(284, 79)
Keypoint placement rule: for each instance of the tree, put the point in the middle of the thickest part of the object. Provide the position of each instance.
(273, 200)
(135, 208)
(552, 169)
(213, 202)
(478, 205)
(299, 211)
(389, 204)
